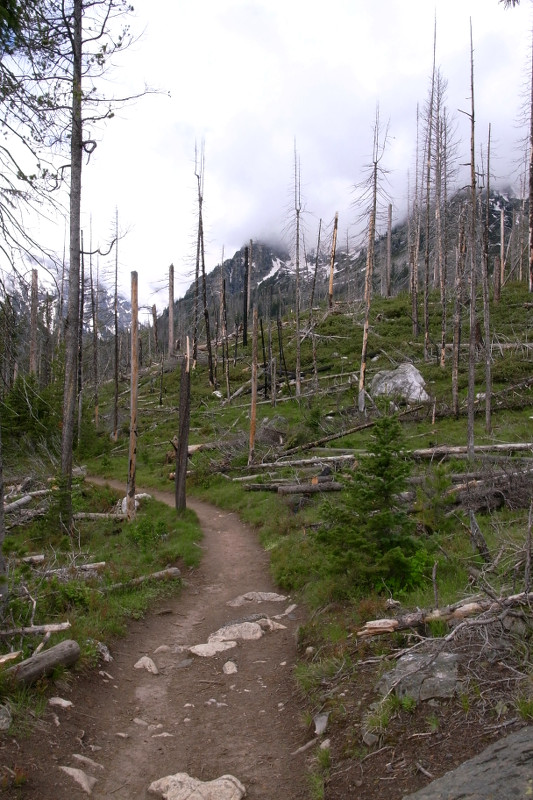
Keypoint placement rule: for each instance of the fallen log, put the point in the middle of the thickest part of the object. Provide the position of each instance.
(165, 574)
(97, 515)
(38, 666)
(10, 656)
(53, 627)
(36, 559)
(457, 611)
(302, 462)
(310, 488)
(443, 451)
(22, 501)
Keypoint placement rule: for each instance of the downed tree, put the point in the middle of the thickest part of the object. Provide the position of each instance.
(53, 627)
(98, 515)
(310, 488)
(165, 574)
(41, 664)
(456, 612)
(445, 451)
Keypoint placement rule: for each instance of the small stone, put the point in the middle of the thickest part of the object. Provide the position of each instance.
(370, 739)
(211, 648)
(60, 702)
(81, 778)
(87, 761)
(321, 723)
(122, 735)
(163, 648)
(326, 744)
(141, 722)
(229, 668)
(146, 663)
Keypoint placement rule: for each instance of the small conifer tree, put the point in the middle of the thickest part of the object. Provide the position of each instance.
(367, 535)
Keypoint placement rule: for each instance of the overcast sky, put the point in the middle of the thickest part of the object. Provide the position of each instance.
(251, 78)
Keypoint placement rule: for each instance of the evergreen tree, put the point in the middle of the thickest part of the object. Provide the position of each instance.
(367, 535)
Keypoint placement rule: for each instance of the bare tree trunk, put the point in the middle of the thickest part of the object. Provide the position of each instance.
(3, 566)
(71, 348)
(388, 260)
(249, 282)
(94, 317)
(245, 299)
(472, 342)
(154, 322)
(486, 304)
(332, 259)
(253, 407)
(182, 449)
(531, 173)
(377, 152)
(117, 342)
(80, 339)
(429, 145)
(414, 242)
(297, 209)
(33, 322)
(458, 304)
(171, 311)
(130, 502)
(502, 247)
(497, 280)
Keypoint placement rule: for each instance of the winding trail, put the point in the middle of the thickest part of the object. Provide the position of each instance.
(192, 717)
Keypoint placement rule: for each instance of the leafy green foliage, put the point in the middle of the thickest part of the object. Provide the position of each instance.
(368, 538)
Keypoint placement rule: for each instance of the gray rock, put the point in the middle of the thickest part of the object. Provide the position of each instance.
(405, 381)
(5, 718)
(183, 787)
(501, 772)
(423, 677)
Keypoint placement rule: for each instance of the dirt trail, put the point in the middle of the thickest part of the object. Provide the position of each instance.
(191, 717)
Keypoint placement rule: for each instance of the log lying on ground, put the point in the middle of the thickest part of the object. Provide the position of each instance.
(164, 574)
(310, 488)
(22, 501)
(455, 612)
(65, 653)
(95, 515)
(302, 462)
(443, 451)
(53, 627)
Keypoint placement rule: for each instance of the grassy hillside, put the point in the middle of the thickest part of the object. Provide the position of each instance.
(420, 530)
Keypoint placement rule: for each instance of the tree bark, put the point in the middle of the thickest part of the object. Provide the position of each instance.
(171, 311)
(253, 407)
(71, 338)
(183, 435)
(65, 653)
(332, 259)
(130, 502)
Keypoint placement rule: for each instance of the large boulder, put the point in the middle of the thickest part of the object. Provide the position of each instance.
(502, 771)
(404, 382)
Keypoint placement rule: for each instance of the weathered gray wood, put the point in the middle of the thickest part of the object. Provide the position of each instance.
(171, 572)
(27, 672)
(95, 516)
(449, 450)
(310, 488)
